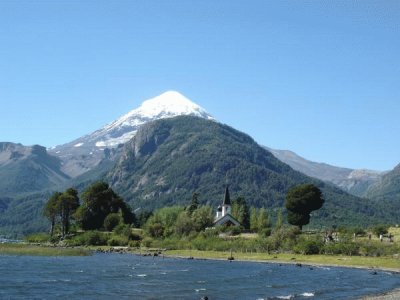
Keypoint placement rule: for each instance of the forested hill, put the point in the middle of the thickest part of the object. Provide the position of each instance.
(388, 188)
(170, 159)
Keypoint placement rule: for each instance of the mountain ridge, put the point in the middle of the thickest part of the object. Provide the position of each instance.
(25, 169)
(354, 181)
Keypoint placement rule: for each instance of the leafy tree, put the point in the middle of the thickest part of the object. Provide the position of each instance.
(194, 204)
(68, 202)
(301, 200)
(253, 220)
(263, 220)
(279, 219)
(154, 227)
(99, 200)
(202, 218)
(51, 210)
(380, 229)
(240, 211)
(111, 221)
(61, 205)
(142, 218)
(184, 224)
(162, 222)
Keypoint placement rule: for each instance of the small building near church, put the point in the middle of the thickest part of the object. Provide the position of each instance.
(223, 216)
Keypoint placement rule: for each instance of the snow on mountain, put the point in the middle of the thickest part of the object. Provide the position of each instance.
(167, 105)
(84, 153)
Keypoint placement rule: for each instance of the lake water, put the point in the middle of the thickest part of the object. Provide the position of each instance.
(116, 276)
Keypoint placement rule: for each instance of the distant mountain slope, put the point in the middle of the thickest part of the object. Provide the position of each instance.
(83, 154)
(168, 160)
(28, 169)
(388, 187)
(23, 215)
(355, 182)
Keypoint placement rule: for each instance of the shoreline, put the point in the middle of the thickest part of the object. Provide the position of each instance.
(388, 295)
(294, 259)
(307, 264)
(275, 259)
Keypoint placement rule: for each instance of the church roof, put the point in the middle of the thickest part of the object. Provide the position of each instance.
(227, 197)
(226, 219)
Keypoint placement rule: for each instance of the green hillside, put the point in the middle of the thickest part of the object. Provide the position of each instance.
(388, 188)
(170, 159)
(165, 163)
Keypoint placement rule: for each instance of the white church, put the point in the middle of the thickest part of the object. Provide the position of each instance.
(223, 216)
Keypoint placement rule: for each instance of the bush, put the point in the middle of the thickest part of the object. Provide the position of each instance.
(119, 229)
(235, 230)
(134, 236)
(284, 239)
(265, 232)
(117, 241)
(308, 247)
(372, 249)
(89, 238)
(147, 242)
(380, 229)
(358, 231)
(209, 232)
(111, 221)
(126, 231)
(345, 248)
(134, 244)
(40, 237)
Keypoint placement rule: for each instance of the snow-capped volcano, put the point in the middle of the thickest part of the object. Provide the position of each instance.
(82, 154)
(167, 105)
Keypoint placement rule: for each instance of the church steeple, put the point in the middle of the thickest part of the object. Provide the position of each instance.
(224, 212)
(226, 204)
(227, 197)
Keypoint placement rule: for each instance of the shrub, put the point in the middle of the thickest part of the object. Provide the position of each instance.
(235, 230)
(308, 247)
(147, 242)
(40, 237)
(346, 248)
(111, 221)
(134, 236)
(380, 229)
(262, 245)
(284, 239)
(265, 232)
(89, 238)
(184, 224)
(119, 229)
(358, 231)
(372, 249)
(134, 244)
(117, 241)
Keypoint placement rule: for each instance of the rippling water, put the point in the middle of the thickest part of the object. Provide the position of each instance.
(109, 276)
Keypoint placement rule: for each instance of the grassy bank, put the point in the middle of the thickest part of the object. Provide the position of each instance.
(388, 263)
(36, 250)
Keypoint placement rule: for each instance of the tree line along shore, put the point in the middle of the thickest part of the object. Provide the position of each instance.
(102, 220)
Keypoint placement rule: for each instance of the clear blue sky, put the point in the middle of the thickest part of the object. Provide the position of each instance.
(321, 78)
